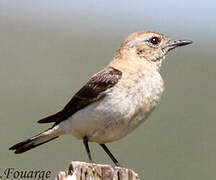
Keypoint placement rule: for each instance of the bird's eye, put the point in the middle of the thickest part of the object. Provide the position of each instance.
(155, 40)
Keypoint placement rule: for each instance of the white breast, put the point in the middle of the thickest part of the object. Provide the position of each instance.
(123, 108)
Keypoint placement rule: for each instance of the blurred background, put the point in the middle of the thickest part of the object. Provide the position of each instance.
(49, 49)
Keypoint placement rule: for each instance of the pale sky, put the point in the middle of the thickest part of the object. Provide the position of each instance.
(193, 15)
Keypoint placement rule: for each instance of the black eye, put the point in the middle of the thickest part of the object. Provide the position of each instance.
(155, 40)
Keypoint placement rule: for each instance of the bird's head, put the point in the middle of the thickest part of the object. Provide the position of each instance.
(150, 46)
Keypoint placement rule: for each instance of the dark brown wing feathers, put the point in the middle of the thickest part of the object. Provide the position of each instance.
(52, 118)
(91, 92)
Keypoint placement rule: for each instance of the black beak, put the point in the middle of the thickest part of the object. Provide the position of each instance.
(178, 43)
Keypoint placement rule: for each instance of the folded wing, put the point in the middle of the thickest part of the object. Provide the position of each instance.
(94, 90)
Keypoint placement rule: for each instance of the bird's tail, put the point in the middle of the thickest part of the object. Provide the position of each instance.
(35, 141)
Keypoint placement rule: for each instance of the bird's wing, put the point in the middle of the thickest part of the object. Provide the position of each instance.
(93, 91)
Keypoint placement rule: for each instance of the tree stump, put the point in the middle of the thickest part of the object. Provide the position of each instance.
(90, 171)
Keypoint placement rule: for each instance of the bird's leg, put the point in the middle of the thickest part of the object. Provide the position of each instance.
(85, 142)
(110, 154)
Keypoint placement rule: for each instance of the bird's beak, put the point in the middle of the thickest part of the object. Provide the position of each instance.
(178, 43)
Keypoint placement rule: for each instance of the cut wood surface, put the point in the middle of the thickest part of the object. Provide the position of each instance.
(90, 171)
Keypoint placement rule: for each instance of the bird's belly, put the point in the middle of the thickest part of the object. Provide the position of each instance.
(114, 116)
(102, 122)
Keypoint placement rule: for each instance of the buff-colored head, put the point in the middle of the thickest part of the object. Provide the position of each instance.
(150, 46)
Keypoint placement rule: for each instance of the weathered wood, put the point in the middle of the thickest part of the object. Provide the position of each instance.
(89, 171)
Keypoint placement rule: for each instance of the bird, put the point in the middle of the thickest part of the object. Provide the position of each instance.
(114, 101)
